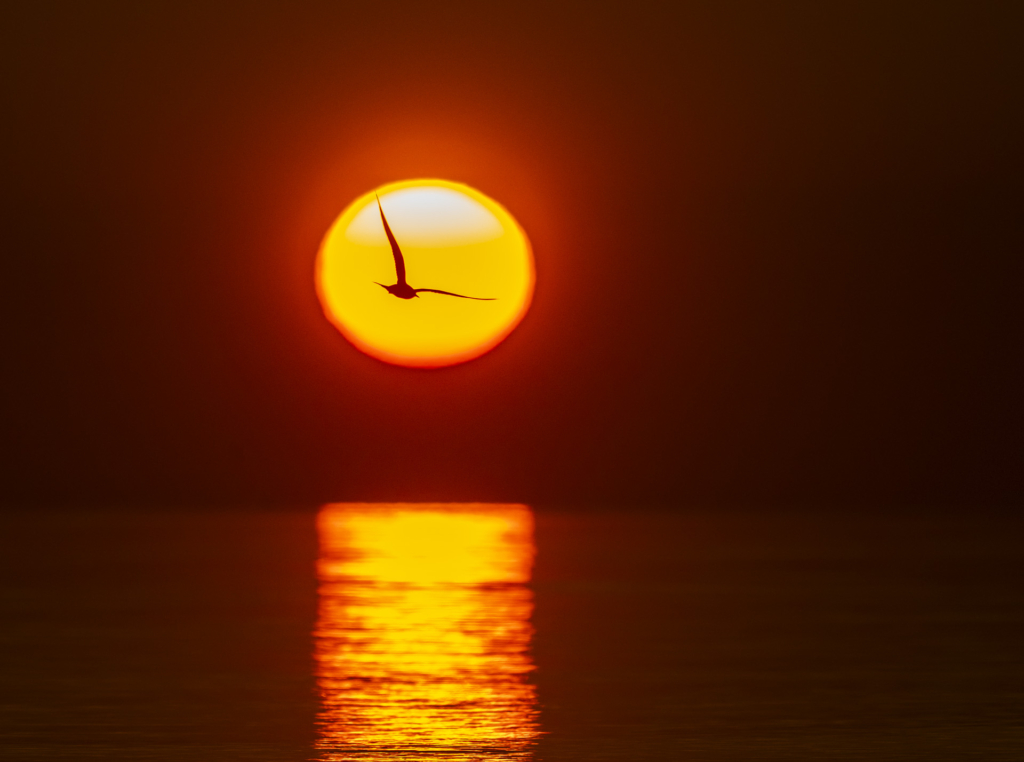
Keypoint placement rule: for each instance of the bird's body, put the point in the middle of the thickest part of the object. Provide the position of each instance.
(402, 289)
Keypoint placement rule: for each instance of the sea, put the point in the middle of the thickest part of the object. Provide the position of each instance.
(510, 632)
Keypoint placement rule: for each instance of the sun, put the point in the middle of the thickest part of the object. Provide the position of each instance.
(452, 238)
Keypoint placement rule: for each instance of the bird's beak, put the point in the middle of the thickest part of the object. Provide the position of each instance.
(382, 285)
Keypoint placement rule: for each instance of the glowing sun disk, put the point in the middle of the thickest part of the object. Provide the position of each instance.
(452, 238)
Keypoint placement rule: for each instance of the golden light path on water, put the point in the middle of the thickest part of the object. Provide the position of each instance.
(423, 632)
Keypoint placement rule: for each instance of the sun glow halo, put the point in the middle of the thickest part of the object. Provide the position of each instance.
(453, 238)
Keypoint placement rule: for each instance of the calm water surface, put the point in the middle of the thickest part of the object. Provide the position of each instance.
(493, 632)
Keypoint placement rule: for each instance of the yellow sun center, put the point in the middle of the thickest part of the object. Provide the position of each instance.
(451, 238)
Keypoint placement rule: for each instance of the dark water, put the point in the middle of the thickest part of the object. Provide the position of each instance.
(192, 635)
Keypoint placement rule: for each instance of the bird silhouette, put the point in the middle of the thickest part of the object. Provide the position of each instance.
(402, 289)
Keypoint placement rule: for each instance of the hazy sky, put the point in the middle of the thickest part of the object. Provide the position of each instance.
(778, 249)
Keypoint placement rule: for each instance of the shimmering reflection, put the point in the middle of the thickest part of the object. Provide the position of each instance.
(423, 631)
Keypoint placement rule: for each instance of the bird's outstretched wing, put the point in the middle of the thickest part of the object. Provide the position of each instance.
(395, 251)
(449, 293)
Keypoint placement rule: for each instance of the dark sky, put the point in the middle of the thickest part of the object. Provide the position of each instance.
(779, 251)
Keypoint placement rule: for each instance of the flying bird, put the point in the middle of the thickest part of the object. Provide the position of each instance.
(402, 289)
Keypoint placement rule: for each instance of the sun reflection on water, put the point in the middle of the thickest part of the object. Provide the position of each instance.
(423, 632)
